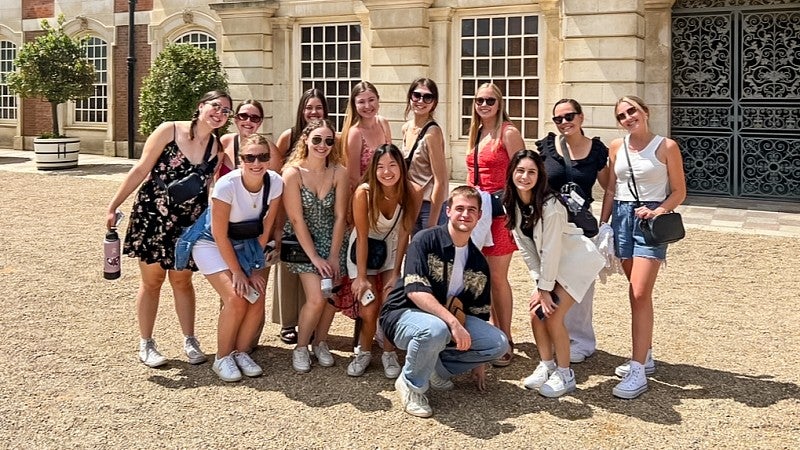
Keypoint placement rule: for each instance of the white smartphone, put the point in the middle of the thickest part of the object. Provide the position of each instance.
(367, 297)
(251, 295)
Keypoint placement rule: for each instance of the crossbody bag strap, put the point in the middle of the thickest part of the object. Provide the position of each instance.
(265, 198)
(396, 219)
(635, 191)
(476, 178)
(567, 158)
(419, 139)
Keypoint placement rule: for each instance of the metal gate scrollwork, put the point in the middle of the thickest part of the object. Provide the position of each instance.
(736, 96)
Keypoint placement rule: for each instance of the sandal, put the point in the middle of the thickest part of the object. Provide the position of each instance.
(288, 335)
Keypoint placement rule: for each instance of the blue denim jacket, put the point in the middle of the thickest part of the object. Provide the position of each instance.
(248, 251)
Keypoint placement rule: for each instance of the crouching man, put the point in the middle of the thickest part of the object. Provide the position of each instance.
(437, 312)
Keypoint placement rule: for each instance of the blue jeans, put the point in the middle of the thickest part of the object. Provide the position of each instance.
(628, 238)
(424, 337)
(424, 213)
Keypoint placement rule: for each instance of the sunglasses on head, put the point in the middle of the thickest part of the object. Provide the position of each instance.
(250, 159)
(627, 113)
(425, 97)
(220, 109)
(488, 101)
(251, 117)
(569, 117)
(329, 141)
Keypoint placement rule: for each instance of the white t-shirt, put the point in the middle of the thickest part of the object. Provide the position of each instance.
(457, 279)
(231, 190)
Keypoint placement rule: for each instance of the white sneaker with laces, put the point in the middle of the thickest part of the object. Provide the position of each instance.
(247, 365)
(558, 384)
(149, 354)
(301, 360)
(649, 366)
(439, 383)
(414, 403)
(634, 384)
(192, 348)
(323, 354)
(359, 364)
(226, 368)
(539, 376)
(391, 368)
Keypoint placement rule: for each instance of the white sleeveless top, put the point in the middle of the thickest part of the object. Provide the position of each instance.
(652, 181)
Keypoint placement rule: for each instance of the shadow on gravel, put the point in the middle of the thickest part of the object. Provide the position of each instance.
(94, 169)
(484, 415)
(12, 160)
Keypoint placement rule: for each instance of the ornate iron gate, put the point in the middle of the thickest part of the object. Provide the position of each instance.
(736, 96)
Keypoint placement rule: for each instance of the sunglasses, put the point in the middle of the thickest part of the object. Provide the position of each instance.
(569, 117)
(488, 101)
(221, 109)
(627, 113)
(329, 141)
(425, 97)
(251, 117)
(250, 159)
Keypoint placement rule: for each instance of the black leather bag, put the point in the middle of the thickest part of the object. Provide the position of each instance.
(250, 229)
(663, 229)
(377, 251)
(573, 197)
(190, 186)
(292, 251)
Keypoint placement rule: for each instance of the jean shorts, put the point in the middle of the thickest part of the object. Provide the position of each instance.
(628, 238)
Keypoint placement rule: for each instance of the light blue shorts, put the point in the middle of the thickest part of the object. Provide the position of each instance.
(628, 238)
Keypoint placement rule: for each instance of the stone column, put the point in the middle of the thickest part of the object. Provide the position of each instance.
(397, 50)
(441, 23)
(551, 78)
(283, 74)
(658, 63)
(247, 52)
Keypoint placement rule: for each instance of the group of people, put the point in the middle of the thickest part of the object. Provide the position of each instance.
(367, 228)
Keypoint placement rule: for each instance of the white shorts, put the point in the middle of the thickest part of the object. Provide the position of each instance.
(207, 257)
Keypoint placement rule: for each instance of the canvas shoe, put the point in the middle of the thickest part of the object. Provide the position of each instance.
(247, 365)
(301, 360)
(439, 383)
(391, 368)
(359, 364)
(634, 384)
(649, 366)
(539, 376)
(558, 384)
(149, 354)
(323, 354)
(414, 403)
(192, 348)
(226, 368)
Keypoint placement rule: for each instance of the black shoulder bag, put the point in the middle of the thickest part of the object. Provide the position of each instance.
(419, 139)
(192, 184)
(376, 248)
(573, 197)
(497, 197)
(250, 229)
(662, 229)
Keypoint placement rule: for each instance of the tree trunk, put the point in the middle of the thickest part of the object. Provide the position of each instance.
(54, 112)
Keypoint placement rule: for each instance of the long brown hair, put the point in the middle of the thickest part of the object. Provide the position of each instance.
(207, 97)
(532, 212)
(376, 187)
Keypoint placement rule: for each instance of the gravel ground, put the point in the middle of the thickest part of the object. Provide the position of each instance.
(726, 321)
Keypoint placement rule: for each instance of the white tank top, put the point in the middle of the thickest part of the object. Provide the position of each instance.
(652, 181)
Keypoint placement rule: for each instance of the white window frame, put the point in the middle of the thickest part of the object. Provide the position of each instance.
(199, 39)
(327, 62)
(8, 101)
(94, 109)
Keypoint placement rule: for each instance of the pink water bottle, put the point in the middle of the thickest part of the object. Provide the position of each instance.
(111, 268)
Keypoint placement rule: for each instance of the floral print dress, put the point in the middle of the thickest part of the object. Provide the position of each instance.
(155, 224)
(319, 217)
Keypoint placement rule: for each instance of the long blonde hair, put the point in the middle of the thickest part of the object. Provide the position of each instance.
(300, 153)
(352, 118)
(475, 123)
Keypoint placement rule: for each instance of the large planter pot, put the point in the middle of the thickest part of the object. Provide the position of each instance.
(56, 153)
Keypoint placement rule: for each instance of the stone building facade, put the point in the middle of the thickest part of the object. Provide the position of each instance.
(538, 51)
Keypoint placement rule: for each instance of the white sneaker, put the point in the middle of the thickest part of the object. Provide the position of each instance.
(539, 376)
(226, 368)
(301, 360)
(391, 368)
(323, 354)
(558, 384)
(247, 365)
(649, 366)
(413, 403)
(192, 348)
(439, 383)
(359, 364)
(149, 354)
(634, 384)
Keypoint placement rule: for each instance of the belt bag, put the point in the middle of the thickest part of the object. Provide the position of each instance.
(574, 199)
(250, 229)
(497, 204)
(292, 251)
(192, 185)
(376, 248)
(663, 229)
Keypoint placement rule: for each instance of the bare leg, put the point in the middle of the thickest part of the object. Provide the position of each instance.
(147, 298)
(641, 273)
(231, 315)
(556, 329)
(183, 291)
(502, 300)
(312, 311)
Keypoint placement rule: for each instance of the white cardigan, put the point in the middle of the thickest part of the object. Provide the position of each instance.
(559, 252)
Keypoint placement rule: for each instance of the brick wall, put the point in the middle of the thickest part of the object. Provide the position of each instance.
(141, 5)
(38, 9)
(36, 112)
(121, 79)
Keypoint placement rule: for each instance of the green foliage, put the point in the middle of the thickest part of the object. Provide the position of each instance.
(180, 75)
(53, 68)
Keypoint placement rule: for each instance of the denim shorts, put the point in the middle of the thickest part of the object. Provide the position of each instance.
(628, 238)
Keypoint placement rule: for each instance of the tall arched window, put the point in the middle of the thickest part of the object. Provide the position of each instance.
(8, 101)
(95, 108)
(198, 39)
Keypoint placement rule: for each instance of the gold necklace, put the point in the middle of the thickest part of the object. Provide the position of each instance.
(253, 197)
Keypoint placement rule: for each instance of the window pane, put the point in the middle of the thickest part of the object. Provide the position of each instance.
(94, 109)
(467, 28)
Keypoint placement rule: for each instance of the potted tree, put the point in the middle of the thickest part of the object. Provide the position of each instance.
(53, 68)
